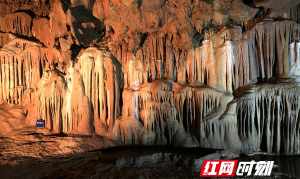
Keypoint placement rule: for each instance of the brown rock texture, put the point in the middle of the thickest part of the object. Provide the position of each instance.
(16, 23)
(41, 30)
(212, 73)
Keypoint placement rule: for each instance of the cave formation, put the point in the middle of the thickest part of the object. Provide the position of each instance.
(209, 73)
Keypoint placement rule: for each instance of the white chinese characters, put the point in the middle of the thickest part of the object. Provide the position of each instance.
(260, 168)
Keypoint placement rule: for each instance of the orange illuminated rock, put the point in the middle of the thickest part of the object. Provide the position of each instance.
(208, 73)
(102, 82)
(17, 23)
(5, 38)
(42, 31)
(38, 7)
(98, 9)
(58, 19)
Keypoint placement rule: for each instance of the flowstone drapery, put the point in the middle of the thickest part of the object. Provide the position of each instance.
(223, 78)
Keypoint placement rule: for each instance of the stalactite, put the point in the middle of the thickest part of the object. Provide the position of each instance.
(50, 96)
(18, 68)
(17, 23)
(295, 13)
(245, 67)
(77, 114)
(160, 60)
(133, 77)
(268, 119)
(172, 93)
(272, 45)
(102, 85)
(39, 7)
(294, 59)
(21, 66)
(224, 63)
(221, 133)
(164, 109)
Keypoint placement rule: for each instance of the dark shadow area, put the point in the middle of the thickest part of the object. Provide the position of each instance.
(250, 3)
(29, 12)
(132, 162)
(75, 49)
(117, 162)
(87, 28)
(285, 166)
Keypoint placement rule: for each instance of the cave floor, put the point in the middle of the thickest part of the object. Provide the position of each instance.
(133, 162)
(123, 162)
(27, 152)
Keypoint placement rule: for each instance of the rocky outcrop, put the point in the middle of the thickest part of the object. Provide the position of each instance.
(39, 7)
(17, 23)
(42, 31)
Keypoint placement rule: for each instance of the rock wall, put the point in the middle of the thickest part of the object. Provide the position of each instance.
(217, 74)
